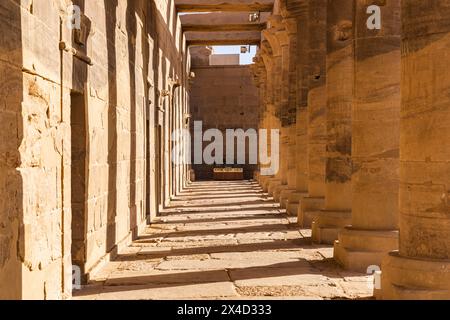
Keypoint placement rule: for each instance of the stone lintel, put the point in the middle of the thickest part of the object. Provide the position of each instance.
(223, 21)
(223, 38)
(224, 5)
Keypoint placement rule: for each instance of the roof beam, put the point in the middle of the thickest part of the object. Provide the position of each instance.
(223, 38)
(224, 5)
(226, 21)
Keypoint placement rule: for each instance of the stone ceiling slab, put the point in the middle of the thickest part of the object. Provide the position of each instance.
(224, 5)
(224, 38)
(224, 21)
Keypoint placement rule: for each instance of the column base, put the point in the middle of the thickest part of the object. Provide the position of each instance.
(263, 179)
(294, 202)
(266, 183)
(292, 208)
(274, 185)
(327, 225)
(308, 209)
(307, 219)
(284, 197)
(357, 250)
(414, 279)
(277, 192)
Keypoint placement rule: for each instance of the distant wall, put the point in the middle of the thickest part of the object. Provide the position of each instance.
(224, 59)
(223, 97)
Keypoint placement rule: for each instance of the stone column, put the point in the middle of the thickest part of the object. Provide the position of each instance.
(421, 267)
(273, 53)
(340, 77)
(287, 154)
(375, 141)
(296, 20)
(290, 117)
(259, 79)
(317, 101)
(265, 101)
(268, 58)
(262, 56)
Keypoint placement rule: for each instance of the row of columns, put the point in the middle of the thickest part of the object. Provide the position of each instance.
(364, 123)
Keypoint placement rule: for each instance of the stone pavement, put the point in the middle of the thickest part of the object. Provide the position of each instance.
(225, 240)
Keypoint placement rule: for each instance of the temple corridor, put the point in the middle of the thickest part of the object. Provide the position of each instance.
(223, 240)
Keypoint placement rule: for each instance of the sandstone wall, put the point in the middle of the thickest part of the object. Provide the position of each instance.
(135, 47)
(11, 184)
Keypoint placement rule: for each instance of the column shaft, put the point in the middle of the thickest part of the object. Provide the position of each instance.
(316, 117)
(340, 79)
(296, 20)
(421, 268)
(298, 16)
(375, 142)
(285, 121)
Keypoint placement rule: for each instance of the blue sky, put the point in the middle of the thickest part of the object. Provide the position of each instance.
(246, 58)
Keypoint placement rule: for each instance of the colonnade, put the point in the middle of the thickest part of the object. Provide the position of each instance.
(358, 90)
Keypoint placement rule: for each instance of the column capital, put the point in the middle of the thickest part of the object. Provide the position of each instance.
(290, 24)
(283, 37)
(293, 8)
(259, 70)
(267, 54)
(272, 41)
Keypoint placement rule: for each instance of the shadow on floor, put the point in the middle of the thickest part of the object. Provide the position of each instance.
(247, 247)
(182, 277)
(237, 203)
(247, 254)
(263, 216)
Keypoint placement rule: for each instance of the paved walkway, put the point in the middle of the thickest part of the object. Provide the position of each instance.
(225, 240)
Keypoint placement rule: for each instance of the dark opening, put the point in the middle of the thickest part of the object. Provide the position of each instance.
(78, 179)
